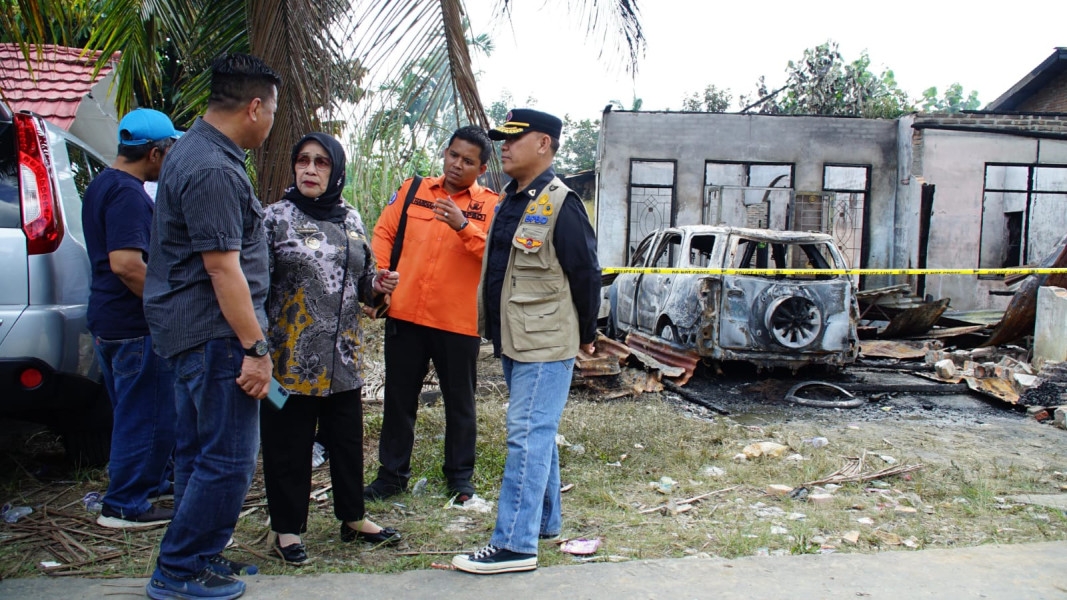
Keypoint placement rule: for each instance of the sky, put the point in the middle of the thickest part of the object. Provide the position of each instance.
(546, 55)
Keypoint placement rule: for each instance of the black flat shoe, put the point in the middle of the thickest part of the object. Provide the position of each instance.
(294, 554)
(387, 536)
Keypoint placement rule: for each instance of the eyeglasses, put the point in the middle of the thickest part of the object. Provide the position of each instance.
(322, 163)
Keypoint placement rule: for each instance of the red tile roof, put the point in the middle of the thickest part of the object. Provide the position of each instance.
(61, 78)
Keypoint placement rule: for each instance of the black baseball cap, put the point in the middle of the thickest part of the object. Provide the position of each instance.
(521, 120)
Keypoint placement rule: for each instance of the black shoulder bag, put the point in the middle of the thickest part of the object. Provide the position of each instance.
(398, 241)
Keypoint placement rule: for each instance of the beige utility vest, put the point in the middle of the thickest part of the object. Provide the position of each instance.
(538, 320)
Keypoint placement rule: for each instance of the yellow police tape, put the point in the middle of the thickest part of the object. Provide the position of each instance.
(1015, 271)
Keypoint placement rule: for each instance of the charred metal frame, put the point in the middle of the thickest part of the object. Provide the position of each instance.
(770, 321)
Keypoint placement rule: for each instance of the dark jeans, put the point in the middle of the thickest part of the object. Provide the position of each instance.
(288, 435)
(218, 438)
(141, 387)
(409, 348)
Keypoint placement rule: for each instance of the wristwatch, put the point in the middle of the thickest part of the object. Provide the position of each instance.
(257, 349)
(465, 223)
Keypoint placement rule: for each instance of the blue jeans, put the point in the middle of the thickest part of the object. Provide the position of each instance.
(141, 387)
(529, 494)
(218, 438)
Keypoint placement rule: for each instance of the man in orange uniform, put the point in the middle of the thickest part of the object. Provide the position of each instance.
(433, 313)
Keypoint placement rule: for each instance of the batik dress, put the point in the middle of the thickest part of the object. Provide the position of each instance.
(320, 272)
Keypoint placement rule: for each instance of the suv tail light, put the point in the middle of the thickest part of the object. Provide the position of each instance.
(40, 216)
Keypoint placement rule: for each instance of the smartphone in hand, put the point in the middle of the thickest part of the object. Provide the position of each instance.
(277, 394)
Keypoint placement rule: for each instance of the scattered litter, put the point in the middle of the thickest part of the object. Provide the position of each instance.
(50, 564)
(854, 471)
(566, 488)
(576, 449)
(740, 457)
(664, 486)
(442, 566)
(419, 488)
(475, 503)
(319, 495)
(865, 521)
(712, 471)
(562, 441)
(778, 530)
(614, 464)
(851, 537)
(817, 442)
(672, 506)
(580, 547)
(639, 446)
(795, 516)
(794, 458)
(12, 514)
(772, 449)
(778, 489)
(800, 493)
(93, 502)
(905, 511)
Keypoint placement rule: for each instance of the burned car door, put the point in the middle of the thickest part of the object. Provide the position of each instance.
(624, 288)
(653, 289)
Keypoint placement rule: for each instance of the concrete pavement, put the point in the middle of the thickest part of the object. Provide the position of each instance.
(1024, 571)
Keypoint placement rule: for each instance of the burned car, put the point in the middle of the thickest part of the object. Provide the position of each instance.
(769, 320)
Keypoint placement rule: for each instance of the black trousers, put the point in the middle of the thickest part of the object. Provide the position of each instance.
(409, 348)
(288, 435)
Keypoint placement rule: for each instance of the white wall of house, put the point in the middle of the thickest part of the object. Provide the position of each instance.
(901, 158)
(955, 163)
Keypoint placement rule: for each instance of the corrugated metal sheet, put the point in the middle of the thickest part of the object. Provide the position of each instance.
(61, 77)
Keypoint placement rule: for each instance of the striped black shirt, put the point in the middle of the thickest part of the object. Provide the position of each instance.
(204, 203)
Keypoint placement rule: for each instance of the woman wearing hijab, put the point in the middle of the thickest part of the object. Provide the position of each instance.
(321, 269)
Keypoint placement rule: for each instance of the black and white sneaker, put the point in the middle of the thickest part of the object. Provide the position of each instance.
(152, 517)
(491, 560)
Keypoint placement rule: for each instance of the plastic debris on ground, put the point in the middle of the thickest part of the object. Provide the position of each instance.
(12, 514)
(93, 502)
(772, 449)
(817, 442)
(419, 488)
(664, 486)
(475, 503)
(580, 547)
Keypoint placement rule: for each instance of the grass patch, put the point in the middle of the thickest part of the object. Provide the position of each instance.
(613, 451)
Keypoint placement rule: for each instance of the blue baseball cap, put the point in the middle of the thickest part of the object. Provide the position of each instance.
(145, 125)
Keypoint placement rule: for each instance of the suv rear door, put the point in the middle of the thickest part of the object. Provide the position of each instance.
(14, 283)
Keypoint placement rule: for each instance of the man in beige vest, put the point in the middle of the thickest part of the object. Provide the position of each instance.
(537, 301)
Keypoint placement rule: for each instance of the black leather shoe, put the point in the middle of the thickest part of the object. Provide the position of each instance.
(294, 554)
(387, 536)
(379, 490)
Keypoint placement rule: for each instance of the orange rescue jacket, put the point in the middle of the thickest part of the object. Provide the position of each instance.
(439, 268)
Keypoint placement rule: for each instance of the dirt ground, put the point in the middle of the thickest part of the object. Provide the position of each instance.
(975, 453)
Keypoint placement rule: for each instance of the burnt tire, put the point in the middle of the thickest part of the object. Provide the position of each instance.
(793, 321)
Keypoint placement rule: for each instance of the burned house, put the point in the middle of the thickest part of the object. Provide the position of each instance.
(977, 189)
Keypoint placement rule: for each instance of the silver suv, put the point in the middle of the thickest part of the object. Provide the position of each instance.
(48, 371)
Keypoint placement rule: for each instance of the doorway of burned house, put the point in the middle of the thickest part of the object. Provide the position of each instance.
(926, 213)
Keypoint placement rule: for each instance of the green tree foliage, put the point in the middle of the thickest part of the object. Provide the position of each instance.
(952, 102)
(713, 100)
(823, 83)
(327, 52)
(577, 151)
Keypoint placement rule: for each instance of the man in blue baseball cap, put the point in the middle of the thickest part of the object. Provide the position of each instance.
(117, 220)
